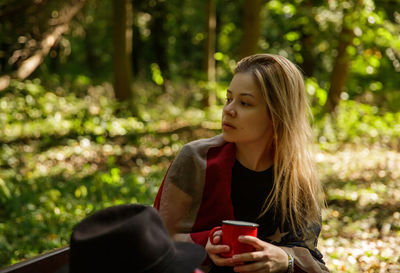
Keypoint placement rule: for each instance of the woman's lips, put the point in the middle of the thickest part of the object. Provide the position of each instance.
(227, 126)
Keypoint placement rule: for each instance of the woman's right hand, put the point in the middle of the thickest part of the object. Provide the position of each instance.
(214, 249)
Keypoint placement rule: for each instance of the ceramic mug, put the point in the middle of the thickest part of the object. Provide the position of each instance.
(231, 230)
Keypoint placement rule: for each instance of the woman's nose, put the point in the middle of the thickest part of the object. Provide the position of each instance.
(229, 110)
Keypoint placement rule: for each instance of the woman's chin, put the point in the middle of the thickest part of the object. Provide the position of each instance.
(227, 137)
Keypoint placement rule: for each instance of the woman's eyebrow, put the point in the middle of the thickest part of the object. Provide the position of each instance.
(242, 94)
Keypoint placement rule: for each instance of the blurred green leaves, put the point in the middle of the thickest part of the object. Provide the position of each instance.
(68, 149)
(360, 124)
(51, 175)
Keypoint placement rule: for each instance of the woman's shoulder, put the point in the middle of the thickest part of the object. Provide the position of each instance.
(188, 167)
(201, 146)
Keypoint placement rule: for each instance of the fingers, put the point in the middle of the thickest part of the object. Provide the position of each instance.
(213, 253)
(248, 257)
(218, 232)
(269, 258)
(214, 247)
(254, 241)
(220, 261)
(214, 250)
(216, 239)
(253, 267)
(251, 261)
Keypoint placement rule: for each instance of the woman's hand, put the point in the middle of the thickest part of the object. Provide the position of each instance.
(266, 258)
(214, 249)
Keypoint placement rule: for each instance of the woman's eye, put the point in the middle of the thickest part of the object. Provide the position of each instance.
(228, 100)
(244, 103)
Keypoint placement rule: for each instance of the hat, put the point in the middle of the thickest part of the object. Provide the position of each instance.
(129, 238)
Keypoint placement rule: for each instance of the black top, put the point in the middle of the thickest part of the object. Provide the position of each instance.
(249, 190)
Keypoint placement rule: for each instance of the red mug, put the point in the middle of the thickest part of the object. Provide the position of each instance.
(231, 230)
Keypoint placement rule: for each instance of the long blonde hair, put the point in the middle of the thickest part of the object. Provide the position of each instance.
(297, 191)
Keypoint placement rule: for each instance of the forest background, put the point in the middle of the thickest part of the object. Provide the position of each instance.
(97, 97)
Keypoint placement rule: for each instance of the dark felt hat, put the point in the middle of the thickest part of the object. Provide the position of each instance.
(129, 238)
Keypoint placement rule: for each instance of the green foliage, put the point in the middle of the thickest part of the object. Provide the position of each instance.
(67, 148)
(52, 176)
(52, 115)
(65, 156)
(353, 122)
(39, 213)
(359, 124)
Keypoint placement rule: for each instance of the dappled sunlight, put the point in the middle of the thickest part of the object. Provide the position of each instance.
(362, 223)
(361, 255)
(98, 97)
(67, 156)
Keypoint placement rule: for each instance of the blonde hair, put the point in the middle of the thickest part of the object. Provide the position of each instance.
(297, 191)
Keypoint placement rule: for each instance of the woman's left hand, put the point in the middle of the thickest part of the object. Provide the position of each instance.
(266, 257)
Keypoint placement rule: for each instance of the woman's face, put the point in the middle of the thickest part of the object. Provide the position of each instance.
(245, 118)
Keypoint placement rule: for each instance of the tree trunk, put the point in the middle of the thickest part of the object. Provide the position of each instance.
(309, 60)
(122, 35)
(136, 44)
(159, 36)
(340, 70)
(210, 41)
(210, 49)
(251, 27)
(307, 40)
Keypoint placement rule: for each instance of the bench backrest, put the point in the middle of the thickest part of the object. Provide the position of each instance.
(45, 263)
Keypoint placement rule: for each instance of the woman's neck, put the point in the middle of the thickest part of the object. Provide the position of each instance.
(254, 156)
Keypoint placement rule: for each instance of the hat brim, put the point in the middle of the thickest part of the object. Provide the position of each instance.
(189, 256)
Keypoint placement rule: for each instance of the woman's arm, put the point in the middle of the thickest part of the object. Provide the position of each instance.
(174, 207)
(178, 214)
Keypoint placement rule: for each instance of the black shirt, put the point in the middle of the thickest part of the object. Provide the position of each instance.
(249, 190)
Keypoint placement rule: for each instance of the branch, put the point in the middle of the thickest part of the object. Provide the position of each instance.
(50, 39)
(30, 64)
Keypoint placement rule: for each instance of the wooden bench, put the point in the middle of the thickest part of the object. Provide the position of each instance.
(45, 263)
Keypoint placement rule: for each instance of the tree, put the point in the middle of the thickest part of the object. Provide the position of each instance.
(341, 67)
(159, 36)
(210, 49)
(251, 27)
(210, 41)
(308, 36)
(365, 64)
(122, 36)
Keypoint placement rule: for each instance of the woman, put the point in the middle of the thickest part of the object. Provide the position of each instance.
(259, 170)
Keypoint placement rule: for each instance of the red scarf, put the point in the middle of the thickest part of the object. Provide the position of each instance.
(216, 204)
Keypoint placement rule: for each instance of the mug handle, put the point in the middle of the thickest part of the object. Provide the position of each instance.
(211, 234)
